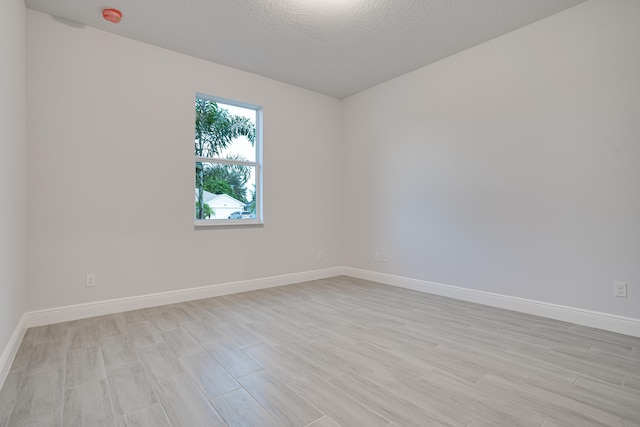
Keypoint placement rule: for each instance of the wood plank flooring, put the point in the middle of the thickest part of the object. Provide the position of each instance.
(328, 353)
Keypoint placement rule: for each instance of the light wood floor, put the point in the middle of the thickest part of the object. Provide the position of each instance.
(334, 352)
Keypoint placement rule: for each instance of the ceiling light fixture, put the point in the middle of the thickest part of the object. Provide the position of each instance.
(112, 15)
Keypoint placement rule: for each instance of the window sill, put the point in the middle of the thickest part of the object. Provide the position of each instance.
(212, 223)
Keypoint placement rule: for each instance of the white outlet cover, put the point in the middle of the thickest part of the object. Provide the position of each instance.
(620, 289)
(90, 280)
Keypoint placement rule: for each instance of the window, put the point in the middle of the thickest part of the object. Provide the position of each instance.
(228, 162)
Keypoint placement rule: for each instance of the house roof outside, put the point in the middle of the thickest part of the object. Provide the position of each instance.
(219, 200)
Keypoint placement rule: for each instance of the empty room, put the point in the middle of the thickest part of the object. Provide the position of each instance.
(320, 213)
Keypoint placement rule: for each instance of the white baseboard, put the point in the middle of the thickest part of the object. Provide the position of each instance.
(99, 308)
(11, 349)
(594, 319)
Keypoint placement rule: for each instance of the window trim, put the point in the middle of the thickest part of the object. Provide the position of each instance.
(257, 164)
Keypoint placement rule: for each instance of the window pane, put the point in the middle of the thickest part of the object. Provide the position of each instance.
(224, 191)
(225, 131)
(241, 147)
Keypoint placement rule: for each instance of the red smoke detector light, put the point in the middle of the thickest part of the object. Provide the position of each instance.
(112, 15)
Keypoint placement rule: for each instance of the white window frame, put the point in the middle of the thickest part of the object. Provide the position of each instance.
(257, 164)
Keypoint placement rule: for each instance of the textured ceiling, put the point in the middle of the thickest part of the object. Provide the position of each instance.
(336, 47)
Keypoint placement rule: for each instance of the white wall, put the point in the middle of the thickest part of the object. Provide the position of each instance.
(12, 168)
(111, 133)
(519, 159)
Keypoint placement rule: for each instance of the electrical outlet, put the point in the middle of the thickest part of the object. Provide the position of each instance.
(620, 289)
(320, 255)
(91, 280)
(376, 256)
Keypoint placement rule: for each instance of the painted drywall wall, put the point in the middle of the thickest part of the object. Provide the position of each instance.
(518, 161)
(12, 168)
(110, 171)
